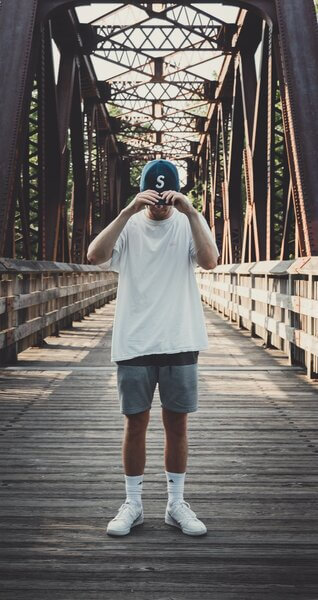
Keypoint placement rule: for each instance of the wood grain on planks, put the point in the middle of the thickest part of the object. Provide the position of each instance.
(252, 477)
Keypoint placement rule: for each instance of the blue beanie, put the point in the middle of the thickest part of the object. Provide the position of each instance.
(160, 175)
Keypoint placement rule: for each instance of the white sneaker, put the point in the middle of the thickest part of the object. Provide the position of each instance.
(129, 515)
(179, 514)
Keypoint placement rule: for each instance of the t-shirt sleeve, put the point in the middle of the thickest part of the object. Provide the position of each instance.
(113, 264)
(193, 255)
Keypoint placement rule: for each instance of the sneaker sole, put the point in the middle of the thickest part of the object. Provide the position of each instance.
(138, 521)
(170, 521)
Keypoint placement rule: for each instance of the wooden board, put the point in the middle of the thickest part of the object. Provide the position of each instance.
(252, 477)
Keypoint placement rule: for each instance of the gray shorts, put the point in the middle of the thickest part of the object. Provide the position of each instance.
(177, 384)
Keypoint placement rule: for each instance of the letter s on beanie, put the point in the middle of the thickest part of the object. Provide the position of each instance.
(160, 175)
(160, 181)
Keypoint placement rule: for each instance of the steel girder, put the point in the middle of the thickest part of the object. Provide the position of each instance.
(299, 60)
(264, 8)
(17, 21)
(56, 127)
(280, 185)
(256, 158)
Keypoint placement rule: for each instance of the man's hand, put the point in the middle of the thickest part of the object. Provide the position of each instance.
(206, 249)
(100, 249)
(178, 200)
(148, 197)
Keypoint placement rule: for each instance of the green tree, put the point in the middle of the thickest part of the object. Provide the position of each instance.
(195, 195)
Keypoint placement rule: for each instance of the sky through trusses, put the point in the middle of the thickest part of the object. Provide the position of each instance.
(159, 60)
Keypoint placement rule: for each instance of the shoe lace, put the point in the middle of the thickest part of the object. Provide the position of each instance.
(186, 510)
(124, 507)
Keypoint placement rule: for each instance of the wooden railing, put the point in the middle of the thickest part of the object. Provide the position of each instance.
(275, 300)
(38, 298)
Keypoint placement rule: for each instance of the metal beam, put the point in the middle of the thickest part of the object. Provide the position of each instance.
(235, 168)
(264, 8)
(50, 156)
(80, 199)
(16, 23)
(298, 41)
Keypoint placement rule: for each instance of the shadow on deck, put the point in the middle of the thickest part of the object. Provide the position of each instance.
(252, 477)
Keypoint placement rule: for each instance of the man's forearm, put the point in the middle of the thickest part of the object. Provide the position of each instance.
(206, 250)
(100, 249)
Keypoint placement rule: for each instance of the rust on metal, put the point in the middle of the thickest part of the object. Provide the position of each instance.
(245, 140)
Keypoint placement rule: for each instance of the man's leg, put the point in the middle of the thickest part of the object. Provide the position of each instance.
(135, 387)
(134, 458)
(176, 452)
(176, 440)
(178, 512)
(179, 395)
(134, 443)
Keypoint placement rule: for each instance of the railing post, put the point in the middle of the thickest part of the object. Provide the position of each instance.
(214, 277)
(282, 315)
(234, 315)
(222, 294)
(252, 304)
(77, 280)
(239, 317)
(41, 313)
(288, 319)
(57, 302)
(268, 335)
(10, 353)
(310, 329)
(231, 297)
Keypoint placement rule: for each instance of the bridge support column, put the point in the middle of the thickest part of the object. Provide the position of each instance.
(298, 44)
(16, 23)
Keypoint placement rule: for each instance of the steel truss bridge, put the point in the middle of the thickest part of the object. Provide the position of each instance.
(247, 141)
(233, 102)
(83, 106)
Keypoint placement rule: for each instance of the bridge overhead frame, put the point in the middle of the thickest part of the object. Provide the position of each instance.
(255, 159)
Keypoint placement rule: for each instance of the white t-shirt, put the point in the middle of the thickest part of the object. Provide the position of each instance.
(158, 308)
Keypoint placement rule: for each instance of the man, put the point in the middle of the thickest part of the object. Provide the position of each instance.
(158, 331)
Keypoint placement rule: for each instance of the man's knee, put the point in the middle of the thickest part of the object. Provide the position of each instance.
(174, 423)
(136, 424)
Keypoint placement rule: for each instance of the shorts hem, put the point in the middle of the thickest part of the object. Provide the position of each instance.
(135, 412)
(190, 410)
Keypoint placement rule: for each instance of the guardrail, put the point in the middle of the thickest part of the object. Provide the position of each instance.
(38, 298)
(275, 300)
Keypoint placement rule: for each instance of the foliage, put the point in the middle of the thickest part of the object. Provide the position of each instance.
(195, 195)
(113, 111)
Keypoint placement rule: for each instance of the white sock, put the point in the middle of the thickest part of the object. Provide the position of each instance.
(175, 483)
(134, 488)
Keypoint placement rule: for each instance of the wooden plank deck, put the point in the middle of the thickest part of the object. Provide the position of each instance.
(252, 477)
